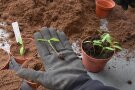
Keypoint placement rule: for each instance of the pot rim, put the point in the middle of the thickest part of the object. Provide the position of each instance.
(108, 1)
(7, 63)
(93, 57)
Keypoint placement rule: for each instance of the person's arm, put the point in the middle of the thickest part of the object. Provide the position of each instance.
(60, 73)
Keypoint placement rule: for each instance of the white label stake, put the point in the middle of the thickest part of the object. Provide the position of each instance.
(16, 31)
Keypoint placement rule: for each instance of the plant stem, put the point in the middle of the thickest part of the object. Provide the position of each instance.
(101, 51)
(94, 50)
(52, 47)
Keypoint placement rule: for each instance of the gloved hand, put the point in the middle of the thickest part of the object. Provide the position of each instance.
(126, 3)
(59, 73)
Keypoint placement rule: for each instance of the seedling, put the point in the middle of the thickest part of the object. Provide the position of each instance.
(49, 41)
(54, 40)
(106, 43)
(22, 50)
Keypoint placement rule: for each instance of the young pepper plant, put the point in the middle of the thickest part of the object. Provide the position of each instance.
(106, 43)
(22, 50)
(49, 41)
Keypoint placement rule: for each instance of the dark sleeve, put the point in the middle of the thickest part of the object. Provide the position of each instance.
(84, 82)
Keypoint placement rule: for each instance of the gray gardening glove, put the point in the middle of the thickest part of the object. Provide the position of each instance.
(59, 73)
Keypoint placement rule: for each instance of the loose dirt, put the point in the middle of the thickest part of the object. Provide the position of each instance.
(34, 64)
(75, 17)
(4, 58)
(129, 82)
(9, 80)
(41, 88)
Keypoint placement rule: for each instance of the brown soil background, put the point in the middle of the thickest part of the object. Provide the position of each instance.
(75, 17)
(9, 80)
(3, 58)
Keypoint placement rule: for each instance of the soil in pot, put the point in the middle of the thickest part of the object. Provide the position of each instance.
(4, 59)
(9, 80)
(30, 50)
(36, 65)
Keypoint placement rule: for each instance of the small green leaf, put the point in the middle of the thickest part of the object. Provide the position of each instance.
(54, 39)
(109, 48)
(41, 40)
(20, 41)
(22, 51)
(87, 42)
(116, 42)
(109, 40)
(96, 44)
(97, 41)
(106, 37)
(117, 47)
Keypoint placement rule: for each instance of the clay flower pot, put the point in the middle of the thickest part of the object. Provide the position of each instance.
(4, 60)
(14, 49)
(93, 64)
(104, 7)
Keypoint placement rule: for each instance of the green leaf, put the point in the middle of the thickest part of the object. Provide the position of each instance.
(22, 51)
(109, 48)
(41, 40)
(87, 42)
(97, 41)
(20, 41)
(117, 47)
(96, 44)
(106, 37)
(116, 43)
(54, 39)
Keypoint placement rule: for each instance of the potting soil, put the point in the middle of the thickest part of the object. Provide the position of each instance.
(3, 59)
(9, 80)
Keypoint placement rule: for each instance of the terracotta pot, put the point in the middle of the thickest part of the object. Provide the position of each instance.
(20, 59)
(6, 66)
(93, 64)
(104, 7)
(33, 85)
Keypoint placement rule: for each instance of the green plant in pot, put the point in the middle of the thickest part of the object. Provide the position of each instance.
(97, 51)
(23, 50)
